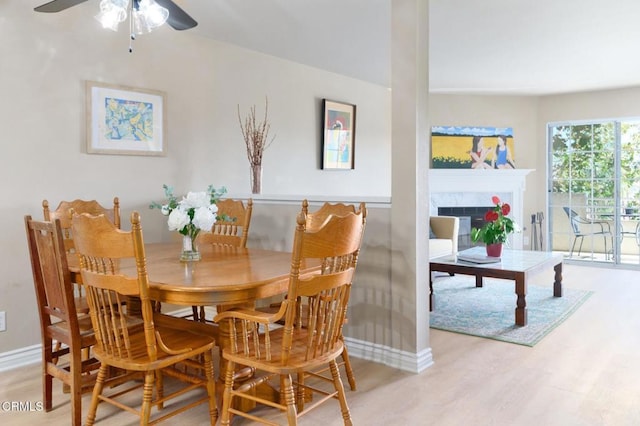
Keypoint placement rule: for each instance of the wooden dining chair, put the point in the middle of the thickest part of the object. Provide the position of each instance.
(59, 321)
(231, 229)
(64, 209)
(63, 214)
(279, 352)
(156, 346)
(315, 220)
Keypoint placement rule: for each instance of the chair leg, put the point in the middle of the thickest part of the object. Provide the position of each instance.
(47, 388)
(211, 387)
(159, 379)
(347, 367)
(147, 395)
(75, 369)
(290, 401)
(198, 313)
(300, 392)
(575, 239)
(97, 391)
(580, 247)
(47, 379)
(337, 383)
(225, 416)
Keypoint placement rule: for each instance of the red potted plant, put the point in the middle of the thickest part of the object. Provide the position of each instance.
(497, 228)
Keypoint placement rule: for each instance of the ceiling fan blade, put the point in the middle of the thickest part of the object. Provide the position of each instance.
(57, 5)
(178, 18)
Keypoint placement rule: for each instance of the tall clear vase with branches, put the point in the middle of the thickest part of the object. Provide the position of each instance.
(256, 138)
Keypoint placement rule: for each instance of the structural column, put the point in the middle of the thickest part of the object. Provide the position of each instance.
(409, 188)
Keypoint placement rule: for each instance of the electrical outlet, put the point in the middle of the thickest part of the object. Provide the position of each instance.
(526, 240)
(3, 321)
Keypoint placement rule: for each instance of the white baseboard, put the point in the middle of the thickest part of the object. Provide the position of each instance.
(406, 361)
(20, 357)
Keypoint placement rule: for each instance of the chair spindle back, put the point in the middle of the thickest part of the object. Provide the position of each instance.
(335, 243)
(233, 228)
(101, 248)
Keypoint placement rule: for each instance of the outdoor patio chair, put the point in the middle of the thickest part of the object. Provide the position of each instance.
(583, 227)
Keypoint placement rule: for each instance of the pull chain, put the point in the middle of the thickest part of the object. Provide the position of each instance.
(132, 36)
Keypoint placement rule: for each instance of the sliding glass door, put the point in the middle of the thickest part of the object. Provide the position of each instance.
(629, 196)
(594, 192)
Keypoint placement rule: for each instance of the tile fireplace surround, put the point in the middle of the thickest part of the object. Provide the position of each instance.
(474, 188)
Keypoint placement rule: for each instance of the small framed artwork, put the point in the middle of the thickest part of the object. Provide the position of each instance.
(124, 120)
(339, 130)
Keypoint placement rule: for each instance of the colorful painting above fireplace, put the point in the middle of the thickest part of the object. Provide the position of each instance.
(472, 147)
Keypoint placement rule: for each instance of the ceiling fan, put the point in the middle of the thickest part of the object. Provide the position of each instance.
(178, 19)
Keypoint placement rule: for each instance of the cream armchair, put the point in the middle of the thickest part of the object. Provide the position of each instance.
(443, 238)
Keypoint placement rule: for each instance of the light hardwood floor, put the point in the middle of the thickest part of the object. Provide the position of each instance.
(585, 372)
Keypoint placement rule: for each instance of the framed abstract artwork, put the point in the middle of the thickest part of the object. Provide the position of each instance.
(124, 120)
(338, 131)
(472, 147)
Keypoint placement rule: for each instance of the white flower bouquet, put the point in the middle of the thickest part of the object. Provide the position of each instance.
(194, 213)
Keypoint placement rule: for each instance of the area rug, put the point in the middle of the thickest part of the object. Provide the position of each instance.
(488, 312)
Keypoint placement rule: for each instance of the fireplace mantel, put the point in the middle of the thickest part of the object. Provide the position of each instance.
(466, 187)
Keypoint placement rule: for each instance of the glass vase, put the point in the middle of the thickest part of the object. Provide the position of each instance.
(190, 251)
(256, 178)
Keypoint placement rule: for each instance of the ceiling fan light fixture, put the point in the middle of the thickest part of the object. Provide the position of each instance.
(139, 22)
(112, 12)
(155, 14)
(147, 15)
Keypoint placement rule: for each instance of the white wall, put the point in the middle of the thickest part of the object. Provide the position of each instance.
(46, 59)
(594, 105)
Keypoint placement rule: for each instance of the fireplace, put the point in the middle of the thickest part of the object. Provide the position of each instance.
(467, 193)
(470, 217)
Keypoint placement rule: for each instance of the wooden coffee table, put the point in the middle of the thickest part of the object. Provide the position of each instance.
(517, 265)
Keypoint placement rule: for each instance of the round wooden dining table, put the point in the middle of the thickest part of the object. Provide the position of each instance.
(224, 275)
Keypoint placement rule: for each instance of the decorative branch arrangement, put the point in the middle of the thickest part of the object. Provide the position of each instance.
(256, 138)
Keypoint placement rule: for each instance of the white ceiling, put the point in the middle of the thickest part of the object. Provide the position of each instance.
(534, 46)
(476, 46)
(349, 37)
(530, 47)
